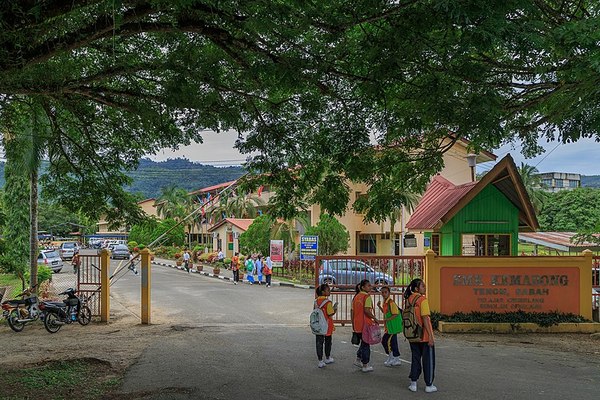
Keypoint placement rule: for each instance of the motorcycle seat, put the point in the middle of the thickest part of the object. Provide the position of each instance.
(54, 303)
(16, 302)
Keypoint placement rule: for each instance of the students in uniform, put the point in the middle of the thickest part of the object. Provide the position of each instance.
(362, 313)
(323, 292)
(392, 325)
(423, 352)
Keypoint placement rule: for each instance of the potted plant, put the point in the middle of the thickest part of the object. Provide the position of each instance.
(217, 268)
(199, 267)
(178, 260)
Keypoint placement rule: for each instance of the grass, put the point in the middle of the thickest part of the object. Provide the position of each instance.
(14, 282)
(86, 379)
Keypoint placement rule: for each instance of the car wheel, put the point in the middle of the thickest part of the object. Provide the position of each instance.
(58, 271)
(329, 281)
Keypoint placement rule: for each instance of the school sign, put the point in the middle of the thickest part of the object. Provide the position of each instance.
(309, 247)
(505, 284)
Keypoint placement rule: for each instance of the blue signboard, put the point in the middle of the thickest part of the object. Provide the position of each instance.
(309, 247)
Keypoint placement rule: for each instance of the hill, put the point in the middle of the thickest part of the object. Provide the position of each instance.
(151, 176)
(590, 181)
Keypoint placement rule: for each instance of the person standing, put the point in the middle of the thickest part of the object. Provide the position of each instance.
(362, 313)
(235, 268)
(423, 351)
(268, 270)
(76, 261)
(220, 255)
(259, 267)
(393, 325)
(186, 260)
(323, 302)
(250, 269)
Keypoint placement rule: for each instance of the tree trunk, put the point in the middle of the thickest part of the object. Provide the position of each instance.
(33, 238)
(393, 233)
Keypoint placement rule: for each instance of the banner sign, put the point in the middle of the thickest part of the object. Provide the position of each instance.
(309, 247)
(276, 250)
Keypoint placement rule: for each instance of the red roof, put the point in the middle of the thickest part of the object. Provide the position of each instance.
(548, 239)
(439, 198)
(241, 223)
(214, 187)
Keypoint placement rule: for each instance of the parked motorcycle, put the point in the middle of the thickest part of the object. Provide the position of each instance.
(68, 311)
(18, 313)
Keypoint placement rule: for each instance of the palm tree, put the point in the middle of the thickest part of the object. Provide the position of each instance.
(533, 184)
(242, 205)
(286, 230)
(173, 202)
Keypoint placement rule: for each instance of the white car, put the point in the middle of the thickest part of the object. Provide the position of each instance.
(67, 250)
(51, 259)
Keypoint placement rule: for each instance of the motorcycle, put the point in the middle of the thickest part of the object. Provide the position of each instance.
(70, 310)
(18, 313)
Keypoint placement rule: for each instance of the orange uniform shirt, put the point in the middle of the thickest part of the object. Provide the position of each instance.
(421, 310)
(328, 311)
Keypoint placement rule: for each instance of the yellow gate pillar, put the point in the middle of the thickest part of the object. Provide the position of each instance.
(146, 286)
(104, 286)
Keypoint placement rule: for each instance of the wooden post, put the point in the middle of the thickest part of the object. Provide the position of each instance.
(105, 286)
(146, 286)
(431, 277)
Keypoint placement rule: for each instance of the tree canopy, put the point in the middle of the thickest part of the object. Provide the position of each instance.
(310, 86)
(333, 236)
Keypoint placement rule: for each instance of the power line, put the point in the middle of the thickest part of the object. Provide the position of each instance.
(550, 152)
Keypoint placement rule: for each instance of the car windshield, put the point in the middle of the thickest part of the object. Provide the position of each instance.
(51, 254)
(68, 245)
(121, 247)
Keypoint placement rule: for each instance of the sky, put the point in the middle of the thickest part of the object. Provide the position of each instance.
(581, 157)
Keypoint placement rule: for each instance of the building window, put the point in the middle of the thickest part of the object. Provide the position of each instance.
(486, 245)
(435, 243)
(573, 184)
(558, 183)
(547, 182)
(368, 244)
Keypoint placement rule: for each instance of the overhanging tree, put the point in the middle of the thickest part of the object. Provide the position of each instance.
(310, 86)
(333, 236)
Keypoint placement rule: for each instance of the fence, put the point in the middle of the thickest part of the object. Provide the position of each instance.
(88, 282)
(343, 273)
(299, 271)
(596, 284)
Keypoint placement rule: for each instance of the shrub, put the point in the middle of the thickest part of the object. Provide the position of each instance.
(132, 244)
(177, 255)
(204, 256)
(44, 274)
(517, 317)
(141, 246)
(227, 261)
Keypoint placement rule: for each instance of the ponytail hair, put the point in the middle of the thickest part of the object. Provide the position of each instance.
(321, 289)
(412, 287)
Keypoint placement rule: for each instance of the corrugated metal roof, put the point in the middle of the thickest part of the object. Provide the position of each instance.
(556, 240)
(211, 188)
(441, 195)
(242, 223)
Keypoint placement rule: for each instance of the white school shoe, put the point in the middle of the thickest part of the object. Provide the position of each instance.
(413, 386)
(388, 360)
(321, 364)
(358, 363)
(430, 389)
(368, 368)
(395, 362)
(329, 360)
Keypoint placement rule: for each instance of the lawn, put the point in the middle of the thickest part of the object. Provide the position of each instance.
(14, 282)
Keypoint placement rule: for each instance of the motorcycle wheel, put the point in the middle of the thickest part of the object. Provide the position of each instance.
(50, 323)
(13, 321)
(85, 315)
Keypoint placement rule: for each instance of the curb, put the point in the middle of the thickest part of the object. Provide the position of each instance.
(226, 278)
(481, 327)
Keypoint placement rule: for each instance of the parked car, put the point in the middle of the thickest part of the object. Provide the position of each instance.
(120, 251)
(67, 250)
(350, 273)
(50, 258)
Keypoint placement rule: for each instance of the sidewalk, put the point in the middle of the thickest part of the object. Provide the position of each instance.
(225, 274)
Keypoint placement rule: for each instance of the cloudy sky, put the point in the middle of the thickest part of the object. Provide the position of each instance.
(581, 157)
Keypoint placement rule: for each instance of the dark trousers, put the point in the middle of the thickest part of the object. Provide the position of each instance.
(364, 351)
(268, 277)
(423, 357)
(236, 275)
(390, 344)
(323, 340)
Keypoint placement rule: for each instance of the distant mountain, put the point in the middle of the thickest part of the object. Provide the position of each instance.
(590, 181)
(151, 176)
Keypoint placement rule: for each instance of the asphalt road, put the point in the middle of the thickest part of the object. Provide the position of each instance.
(251, 342)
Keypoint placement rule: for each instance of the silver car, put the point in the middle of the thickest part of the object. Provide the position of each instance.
(51, 259)
(67, 250)
(120, 251)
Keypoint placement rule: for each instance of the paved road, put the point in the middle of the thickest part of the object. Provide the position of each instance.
(251, 342)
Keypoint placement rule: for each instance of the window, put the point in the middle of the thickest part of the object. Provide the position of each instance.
(547, 182)
(435, 243)
(486, 245)
(558, 183)
(367, 244)
(573, 184)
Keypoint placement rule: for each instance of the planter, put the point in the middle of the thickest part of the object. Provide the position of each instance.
(480, 327)
(216, 270)
(199, 267)
(179, 263)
